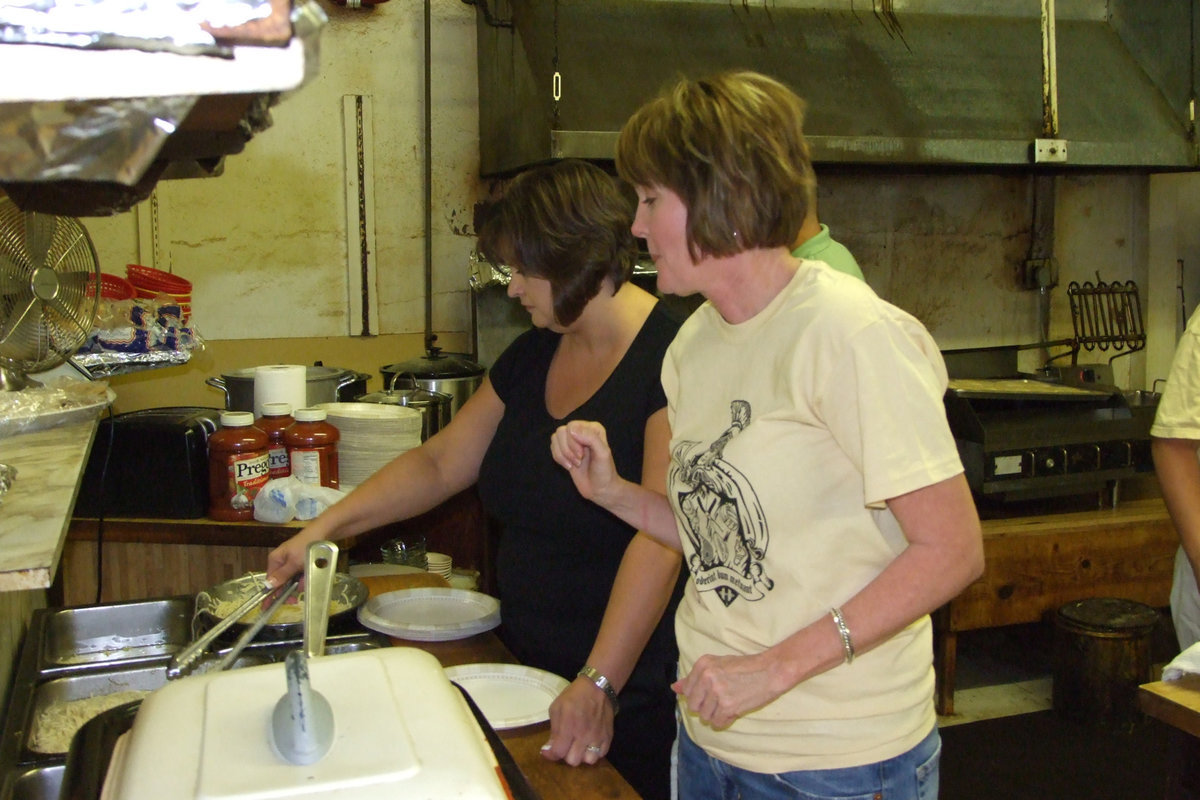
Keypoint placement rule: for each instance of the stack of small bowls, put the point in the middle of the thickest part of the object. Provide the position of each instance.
(439, 564)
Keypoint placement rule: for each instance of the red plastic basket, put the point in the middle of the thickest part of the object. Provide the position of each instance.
(112, 287)
(151, 278)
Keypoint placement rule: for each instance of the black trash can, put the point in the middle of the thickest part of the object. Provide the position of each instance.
(1101, 656)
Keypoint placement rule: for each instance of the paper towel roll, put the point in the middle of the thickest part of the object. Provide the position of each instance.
(280, 383)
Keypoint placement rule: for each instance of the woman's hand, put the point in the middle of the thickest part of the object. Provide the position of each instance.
(580, 718)
(289, 558)
(719, 689)
(582, 448)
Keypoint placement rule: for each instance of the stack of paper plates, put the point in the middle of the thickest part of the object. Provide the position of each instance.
(372, 434)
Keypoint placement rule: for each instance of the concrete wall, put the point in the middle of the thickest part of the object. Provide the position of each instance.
(266, 243)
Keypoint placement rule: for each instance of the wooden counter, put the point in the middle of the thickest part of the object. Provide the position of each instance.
(1176, 703)
(550, 779)
(1035, 565)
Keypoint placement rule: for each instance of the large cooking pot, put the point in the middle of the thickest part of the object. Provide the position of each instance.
(434, 407)
(446, 373)
(322, 385)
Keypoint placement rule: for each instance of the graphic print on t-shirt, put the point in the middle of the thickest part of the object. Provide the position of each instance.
(722, 517)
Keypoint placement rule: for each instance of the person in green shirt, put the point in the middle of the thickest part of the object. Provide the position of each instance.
(815, 244)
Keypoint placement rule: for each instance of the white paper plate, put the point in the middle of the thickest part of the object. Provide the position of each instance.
(431, 615)
(509, 695)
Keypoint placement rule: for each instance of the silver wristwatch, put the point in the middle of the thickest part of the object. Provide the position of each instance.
(602, 683)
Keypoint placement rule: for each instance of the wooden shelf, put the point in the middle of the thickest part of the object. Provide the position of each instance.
(142, 558)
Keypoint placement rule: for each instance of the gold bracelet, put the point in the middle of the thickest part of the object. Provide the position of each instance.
(847, 642)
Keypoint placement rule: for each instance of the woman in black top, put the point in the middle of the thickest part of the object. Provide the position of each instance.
(582, 594)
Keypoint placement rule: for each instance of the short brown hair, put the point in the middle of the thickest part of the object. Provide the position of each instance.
(569, 223)
(732, 147)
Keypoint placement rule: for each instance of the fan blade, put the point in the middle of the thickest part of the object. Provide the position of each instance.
(64, 251)
(12, 277)
(83, 328)
(13, 323)
(39, 234)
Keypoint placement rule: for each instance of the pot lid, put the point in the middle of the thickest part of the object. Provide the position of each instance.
(313, 373)
(405, 397)
(436, 364)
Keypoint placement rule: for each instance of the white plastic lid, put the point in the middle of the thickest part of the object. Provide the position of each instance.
(276, 409)
(309, 414)
(236, 419)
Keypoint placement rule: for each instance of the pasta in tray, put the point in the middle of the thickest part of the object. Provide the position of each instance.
(56, 724)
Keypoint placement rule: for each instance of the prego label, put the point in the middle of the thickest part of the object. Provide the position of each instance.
(248, 473)
(277, 459)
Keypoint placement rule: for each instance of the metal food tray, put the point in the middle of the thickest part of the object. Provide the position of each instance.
(33, 783)
(79, 687)
(114, 635)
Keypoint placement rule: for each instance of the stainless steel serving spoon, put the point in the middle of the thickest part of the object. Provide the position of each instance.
(302, 724)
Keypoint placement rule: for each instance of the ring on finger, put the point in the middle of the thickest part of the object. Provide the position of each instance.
(594, 748)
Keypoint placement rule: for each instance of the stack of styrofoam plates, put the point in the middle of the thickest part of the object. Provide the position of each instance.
(371, 435)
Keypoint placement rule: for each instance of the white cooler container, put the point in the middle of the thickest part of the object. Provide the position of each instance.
(401, 730)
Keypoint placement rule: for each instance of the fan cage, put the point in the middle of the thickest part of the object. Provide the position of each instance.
(47, 263)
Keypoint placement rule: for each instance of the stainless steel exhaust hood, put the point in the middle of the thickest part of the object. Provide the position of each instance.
(929, 82)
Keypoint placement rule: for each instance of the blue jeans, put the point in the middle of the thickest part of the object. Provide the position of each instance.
(909, 776)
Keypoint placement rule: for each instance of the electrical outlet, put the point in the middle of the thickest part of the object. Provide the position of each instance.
(1050, 151)
(1040, 273)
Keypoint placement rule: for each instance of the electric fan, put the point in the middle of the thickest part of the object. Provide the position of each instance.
(49, 289)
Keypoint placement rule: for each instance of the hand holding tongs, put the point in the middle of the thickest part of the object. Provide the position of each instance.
(185, 660)
(286, 591)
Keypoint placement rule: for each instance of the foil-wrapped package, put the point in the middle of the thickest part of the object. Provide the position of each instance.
(88, 129)
(182, 26)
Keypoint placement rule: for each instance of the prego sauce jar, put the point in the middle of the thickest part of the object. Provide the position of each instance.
(275, 419)
(312, 445)
(237, 467)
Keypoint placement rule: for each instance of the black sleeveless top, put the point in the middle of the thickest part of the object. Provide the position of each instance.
(558, 554)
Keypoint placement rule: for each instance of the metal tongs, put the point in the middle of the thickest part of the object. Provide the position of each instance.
(288, 589)
(185, 660)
